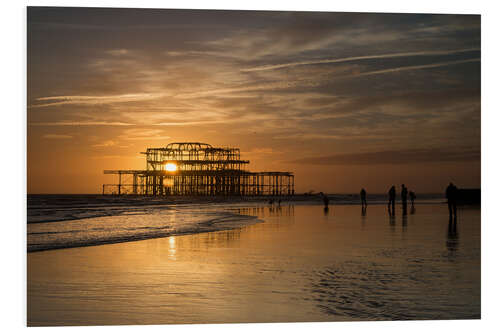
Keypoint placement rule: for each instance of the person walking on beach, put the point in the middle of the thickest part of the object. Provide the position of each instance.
(412, 199)
(392, 200)
(326, 201)
(451, 195)
(404, 197)
(362, 194)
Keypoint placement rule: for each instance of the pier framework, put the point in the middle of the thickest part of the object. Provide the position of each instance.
(193, 168)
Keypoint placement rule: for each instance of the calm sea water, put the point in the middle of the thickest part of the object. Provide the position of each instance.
(300, 264)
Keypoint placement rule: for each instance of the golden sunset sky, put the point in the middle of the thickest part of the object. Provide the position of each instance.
(343, 100)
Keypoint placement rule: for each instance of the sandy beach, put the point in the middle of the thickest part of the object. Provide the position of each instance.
(298, 263)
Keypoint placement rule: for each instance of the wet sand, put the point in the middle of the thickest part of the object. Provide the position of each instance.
(300, 264)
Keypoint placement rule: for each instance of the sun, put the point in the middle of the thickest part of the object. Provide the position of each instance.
(170, 167)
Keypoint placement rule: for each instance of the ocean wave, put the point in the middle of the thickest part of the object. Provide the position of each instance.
(132, 227)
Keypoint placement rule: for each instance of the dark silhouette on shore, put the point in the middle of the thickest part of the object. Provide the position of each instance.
(326, 201)
(451, 195)
(392, 200)
(404, 197)
(412, 199)
(362, 194)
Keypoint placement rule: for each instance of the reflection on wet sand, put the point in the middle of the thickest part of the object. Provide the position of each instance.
(291, 267)
(452, 235)
(392, 223)
(380, 290)
(326, 211)
(269, 211)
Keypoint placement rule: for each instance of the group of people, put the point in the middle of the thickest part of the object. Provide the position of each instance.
(404, 199)
(451, 195)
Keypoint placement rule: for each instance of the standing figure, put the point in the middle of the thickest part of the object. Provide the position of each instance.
(412, 199)
(325, 199)
(451, 195)
(404, 197)
(392, 200)
(362, 194)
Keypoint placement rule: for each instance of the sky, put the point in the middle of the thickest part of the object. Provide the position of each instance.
(343, 100)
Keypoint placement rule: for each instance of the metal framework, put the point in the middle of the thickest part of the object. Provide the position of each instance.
(200, 169)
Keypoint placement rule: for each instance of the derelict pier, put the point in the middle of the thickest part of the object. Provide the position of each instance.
(199, 169)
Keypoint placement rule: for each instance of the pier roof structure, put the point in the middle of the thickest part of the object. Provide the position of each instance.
(195, 168)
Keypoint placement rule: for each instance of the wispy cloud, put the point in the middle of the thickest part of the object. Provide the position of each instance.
(62, 100)
(394, 157)
(79, 123)
(350, 59)
(57, 136)
(118, 52)
(107, 143)
(138, 134)
(409, 68)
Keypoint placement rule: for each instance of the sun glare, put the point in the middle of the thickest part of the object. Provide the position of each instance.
(170, 167)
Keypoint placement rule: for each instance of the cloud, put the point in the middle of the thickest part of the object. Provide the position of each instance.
(107, 143)
(117, 52)
(93, 100)
(57, 136)
(262, 150)
(410, 156)
(79, 123)
(137, 134)
(349, 59)
(408, 68)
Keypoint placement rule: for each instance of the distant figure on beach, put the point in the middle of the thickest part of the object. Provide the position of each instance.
(451, 195)
(392, 200)
(362, 194)
(412, 198)
(404, 197)
(326, 201)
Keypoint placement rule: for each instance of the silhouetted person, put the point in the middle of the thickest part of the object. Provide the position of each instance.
(326, 201)
(404, 197)
(362, 194)
(412, 198)
(392, 200)
(451, 195)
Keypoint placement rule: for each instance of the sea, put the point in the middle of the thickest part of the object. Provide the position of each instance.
(97, 260)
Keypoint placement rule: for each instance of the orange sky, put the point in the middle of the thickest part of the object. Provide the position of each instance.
(342, 100)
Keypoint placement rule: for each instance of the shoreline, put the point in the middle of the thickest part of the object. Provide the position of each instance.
(69, 207)
(301, 264)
